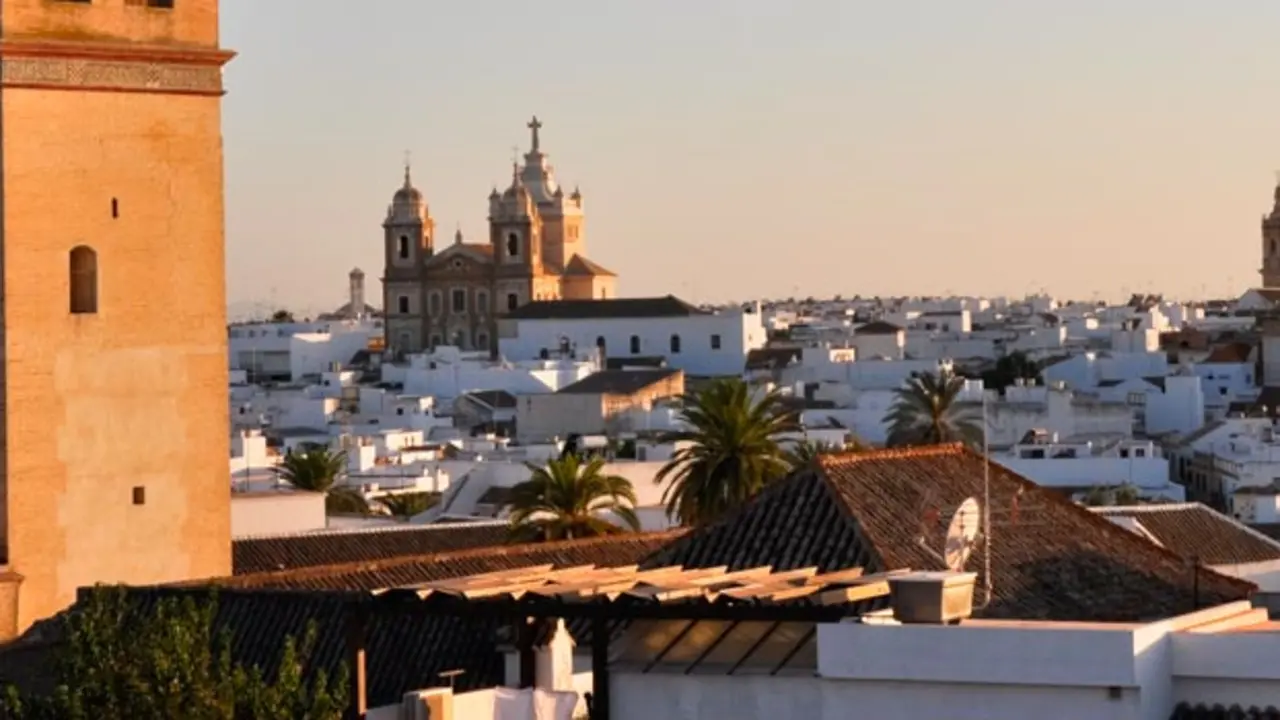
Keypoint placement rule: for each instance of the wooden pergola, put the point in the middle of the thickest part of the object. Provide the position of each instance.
(605, 595)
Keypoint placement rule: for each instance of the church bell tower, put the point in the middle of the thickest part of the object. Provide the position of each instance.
(114, 421)
(1271, 243)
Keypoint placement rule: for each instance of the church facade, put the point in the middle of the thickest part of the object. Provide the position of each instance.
(437, 294)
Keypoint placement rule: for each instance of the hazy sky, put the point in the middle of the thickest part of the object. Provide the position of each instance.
(738, 148)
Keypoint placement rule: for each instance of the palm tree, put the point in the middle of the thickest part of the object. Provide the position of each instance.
(318, 469)
(733, 451)
(408, 505)
(565, 500)
(801, 454)
(926, 412)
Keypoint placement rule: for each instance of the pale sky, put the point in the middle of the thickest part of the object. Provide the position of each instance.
(729, 149)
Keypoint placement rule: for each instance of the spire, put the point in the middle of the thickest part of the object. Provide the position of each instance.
(534, 126)
(457, 236)
(408, 163)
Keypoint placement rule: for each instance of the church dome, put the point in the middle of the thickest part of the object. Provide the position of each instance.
(408, 194)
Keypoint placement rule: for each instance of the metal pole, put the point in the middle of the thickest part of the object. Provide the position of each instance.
(986, 507)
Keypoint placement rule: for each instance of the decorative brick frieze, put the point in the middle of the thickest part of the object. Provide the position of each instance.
(118, 75)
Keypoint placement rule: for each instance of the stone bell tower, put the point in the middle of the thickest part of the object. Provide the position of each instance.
(1271, 243)
(114, 422)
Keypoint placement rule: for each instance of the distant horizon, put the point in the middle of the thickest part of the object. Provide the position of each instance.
(840, 146)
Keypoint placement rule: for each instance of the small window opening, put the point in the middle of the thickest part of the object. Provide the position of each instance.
(115, 208)
(84, 280)
(139, 495)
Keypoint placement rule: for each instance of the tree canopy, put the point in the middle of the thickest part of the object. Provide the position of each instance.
(927, 411)
(731, 450)
(319, 469)
(121, 659)
(566, 499)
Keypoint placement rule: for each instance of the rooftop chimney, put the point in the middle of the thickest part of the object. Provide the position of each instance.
(932, 598)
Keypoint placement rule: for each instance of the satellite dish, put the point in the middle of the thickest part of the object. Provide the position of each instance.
(962, 534)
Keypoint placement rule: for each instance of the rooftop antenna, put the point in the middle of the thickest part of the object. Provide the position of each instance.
(986, 508)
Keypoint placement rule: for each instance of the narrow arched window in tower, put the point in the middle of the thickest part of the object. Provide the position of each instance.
(402, 247)
(84, 280)
(675, 344)
(513, 245)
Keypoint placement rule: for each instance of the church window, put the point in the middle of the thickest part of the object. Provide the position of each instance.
(635, 344)
(402, 304)
(115, 208)
(675, 344)
(715, 342)
(402, 247)
(513, 245)
(435, 303)
(482, 341)
(84, 280)
(459, 300)
(1273, 246)
(482, 301)
(513, 301)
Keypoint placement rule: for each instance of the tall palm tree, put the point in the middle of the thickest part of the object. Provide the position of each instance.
(319, 469)
(565, 500)
(926, 411)
(407, 505)
(733, 451)
(802, 454)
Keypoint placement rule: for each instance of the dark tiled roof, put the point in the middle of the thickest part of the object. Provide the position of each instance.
(620, 363)
(495, 496)
(618, 382)
(669, 306)
(1195, 530)
(405, 651)
(287, 552)
(1051, 559)
(772, 358)
(879, 327)
(1186, 711)
(496, 399)
(582, 266)
(1236, 352)
(371, 575)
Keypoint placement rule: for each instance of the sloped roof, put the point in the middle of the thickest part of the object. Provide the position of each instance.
(1051, 559)
(602, 309)
(579, 265)
(618, 382)
(1195, 530)
(404, 651)
(302, 550)
(879, 327)
(1235, 352)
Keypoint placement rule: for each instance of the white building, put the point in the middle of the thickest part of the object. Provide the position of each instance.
(699, 342)
(1077, 467)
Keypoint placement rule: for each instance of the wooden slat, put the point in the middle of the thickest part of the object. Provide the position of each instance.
(836, 577)
(497, 575)
(854, 593)
(793, 593)
(776, 582)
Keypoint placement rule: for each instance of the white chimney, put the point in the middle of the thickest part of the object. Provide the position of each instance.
(555, 660)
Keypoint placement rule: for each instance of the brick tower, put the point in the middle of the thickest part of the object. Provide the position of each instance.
(114, 420)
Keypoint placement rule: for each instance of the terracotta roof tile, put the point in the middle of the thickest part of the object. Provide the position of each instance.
(1051, 559)
(405, 651)
(1195, 530)
(286, 552)
(1236, 352)
(371, 575)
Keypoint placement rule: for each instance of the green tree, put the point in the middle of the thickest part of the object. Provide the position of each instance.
(729, 452)
(801, 454)
(282, 316)
(565, 499)
(1122, 495)
(926, 411)
(319, 469)
(1011, 368)
(123, 660)
(407, 505)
